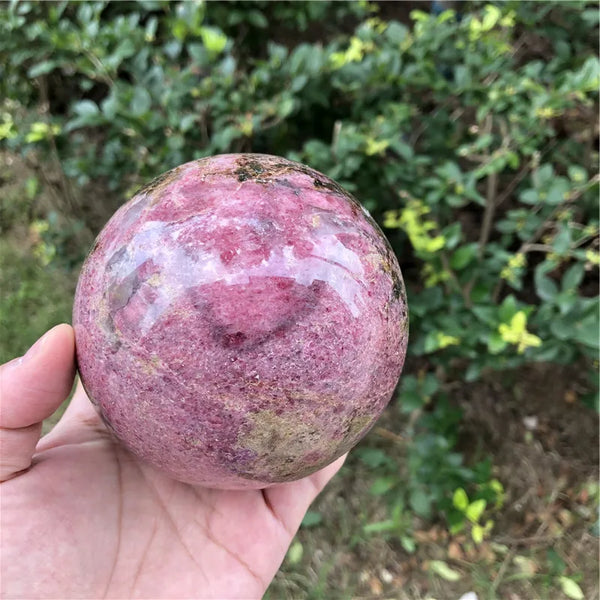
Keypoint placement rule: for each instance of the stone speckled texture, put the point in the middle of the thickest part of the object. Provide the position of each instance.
(240, 322)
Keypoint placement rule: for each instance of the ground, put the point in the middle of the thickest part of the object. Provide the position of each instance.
(545, 453)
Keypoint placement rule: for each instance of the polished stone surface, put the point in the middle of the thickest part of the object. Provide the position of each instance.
(241, 321)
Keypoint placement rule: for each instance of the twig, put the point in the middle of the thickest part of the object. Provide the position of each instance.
(448, 269)
(491, 188)
(490, 207)
(526, 541)
(573, 196)
(426, 124)
(586, 239)
(510, 188)
(105, 75)
(335, 137)
(498, 579)
(537, 248)
(530, 243)
(64, 182)
(389, 435)
(50, 186)
(488, 215)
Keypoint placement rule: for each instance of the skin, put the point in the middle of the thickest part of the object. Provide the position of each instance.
(83, 518)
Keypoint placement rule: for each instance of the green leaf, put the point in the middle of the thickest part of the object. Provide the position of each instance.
(591, 16)
(570, 588)
(556, 563)
(32, 185)
(543, 176)
(110, 105)
(577, 174)
(172, 48)
(312, 518)
(124, 50)
(587, 331)
(420, 502)
(486, 314)
(450, 171)
(286, 107)
(561, 328)
(41, 131)
(562, 240)
(573, 277)
(42, 68)
(408, 543)
(558, 192)
(187, 122)
(453, 235)
(429, 385)
(295, 553)
(380, 526)
(544, 286)
(141, 102)
(382, 485)
(410, 401)
(439, 567)
(463, 256)
(566, 301)
(460, 500)
(396, 32)
(373, 457)
(257, 19)
(409, 384)
(473, 372)
(496, 343)
(477, 532)
(85, 108)
(179, 30)
(529, 197)
(214, 39)
(402, 148)
(508, 309)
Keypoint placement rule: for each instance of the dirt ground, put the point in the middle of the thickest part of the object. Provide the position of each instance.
(544, 447)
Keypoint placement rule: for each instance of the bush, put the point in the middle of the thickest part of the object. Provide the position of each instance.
(472, 138)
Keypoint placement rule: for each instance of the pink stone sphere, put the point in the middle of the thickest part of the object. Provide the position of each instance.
(240, 322)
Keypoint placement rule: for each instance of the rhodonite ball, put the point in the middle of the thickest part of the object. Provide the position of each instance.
(240, 322)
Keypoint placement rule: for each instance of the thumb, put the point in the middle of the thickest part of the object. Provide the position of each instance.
(31, 389)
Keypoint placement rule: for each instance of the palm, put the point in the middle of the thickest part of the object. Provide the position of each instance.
(90, 521)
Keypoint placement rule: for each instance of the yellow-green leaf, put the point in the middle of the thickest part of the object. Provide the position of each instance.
(41, 131)
(213, 39)
(516, 333)
(295, 553)
(391, 220)
(460, 500)
(376, 146)
(439, 567)
(475, 510)
(570, 588)
(477, 534)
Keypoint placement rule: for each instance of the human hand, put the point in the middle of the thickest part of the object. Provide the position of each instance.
(83, 518)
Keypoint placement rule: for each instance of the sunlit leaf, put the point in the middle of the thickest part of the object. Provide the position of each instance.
(441, 568)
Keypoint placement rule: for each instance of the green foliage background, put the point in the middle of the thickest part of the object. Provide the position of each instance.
(472, 138)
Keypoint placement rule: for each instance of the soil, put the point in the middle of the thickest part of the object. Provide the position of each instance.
(544, 446)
